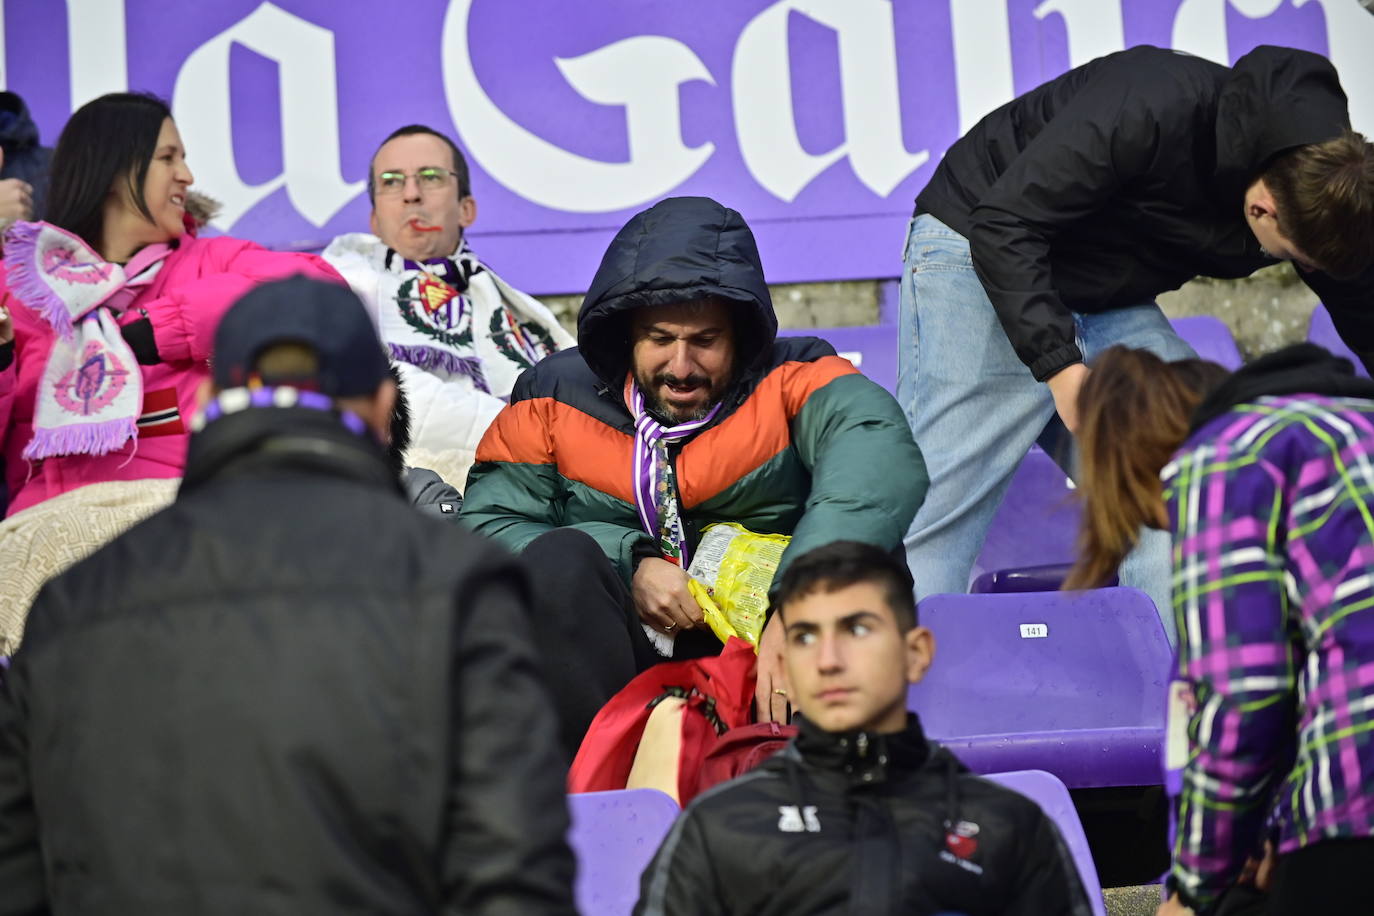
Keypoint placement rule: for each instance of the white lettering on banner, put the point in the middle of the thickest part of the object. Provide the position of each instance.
(765, 120)
(643, 74)
(304, 54)
(982, 58)
(1200, 25)
(1200, 28)
(1034, 630)
(1094, 27)
(1349, 38)
(97, 49)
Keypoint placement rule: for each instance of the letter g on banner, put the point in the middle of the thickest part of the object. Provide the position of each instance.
(641, 73)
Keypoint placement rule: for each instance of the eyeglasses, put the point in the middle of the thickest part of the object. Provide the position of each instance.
(428, 179)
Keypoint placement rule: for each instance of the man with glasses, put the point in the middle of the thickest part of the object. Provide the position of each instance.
(459, 333)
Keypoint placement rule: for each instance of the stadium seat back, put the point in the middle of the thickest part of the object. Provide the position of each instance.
(1070, 682)
(1323, 333)
(1053, 798)
(614, 835)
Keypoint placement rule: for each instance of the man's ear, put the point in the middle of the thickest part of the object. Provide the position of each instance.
(1260, 201)
(920, 652)
(467, 211)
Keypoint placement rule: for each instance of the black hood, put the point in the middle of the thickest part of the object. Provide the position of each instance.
(679, 250)
(1302, 368)
(1275, 99)
(17, 130)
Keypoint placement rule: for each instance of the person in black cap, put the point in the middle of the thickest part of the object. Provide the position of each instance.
(288, 691)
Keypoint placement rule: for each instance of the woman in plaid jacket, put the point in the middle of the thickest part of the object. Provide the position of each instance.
(1265, 480)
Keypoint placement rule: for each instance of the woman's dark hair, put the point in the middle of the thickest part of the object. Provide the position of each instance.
(106, 140)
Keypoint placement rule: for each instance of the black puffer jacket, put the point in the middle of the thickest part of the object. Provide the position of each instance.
(24, 157)
(857, 824)
(1125, 178)
(287, 693)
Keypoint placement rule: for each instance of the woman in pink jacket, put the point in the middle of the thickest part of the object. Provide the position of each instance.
(113, 304)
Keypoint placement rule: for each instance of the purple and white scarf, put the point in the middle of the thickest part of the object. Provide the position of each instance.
(656, 493)
(91, 392)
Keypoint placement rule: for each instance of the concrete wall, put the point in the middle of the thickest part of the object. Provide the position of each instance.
(1264, 312)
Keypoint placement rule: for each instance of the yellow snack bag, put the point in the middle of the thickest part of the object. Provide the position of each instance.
(731, 572)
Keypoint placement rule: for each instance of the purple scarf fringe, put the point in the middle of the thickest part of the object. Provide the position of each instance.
(82, 439)
(431, 358)
(21, 255)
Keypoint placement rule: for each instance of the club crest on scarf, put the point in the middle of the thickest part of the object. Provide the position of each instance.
(435, 309)
(61, 263)
(452, 316)
(91, 391)
(93, 385)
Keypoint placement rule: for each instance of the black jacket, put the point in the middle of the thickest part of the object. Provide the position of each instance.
(24, 157)
(431, 494)
(1125, 178)
(862, 823)
(287, 693)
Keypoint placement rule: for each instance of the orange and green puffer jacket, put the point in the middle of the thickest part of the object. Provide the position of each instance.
(805, 445)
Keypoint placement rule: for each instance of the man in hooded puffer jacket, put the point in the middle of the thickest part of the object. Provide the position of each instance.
(860, 813)
(678, 409)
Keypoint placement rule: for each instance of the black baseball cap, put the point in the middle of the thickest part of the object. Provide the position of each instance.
(326, 317)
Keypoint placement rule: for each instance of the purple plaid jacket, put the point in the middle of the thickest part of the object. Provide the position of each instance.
(1272, 506)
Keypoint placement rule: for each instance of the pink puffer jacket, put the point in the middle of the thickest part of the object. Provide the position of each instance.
(196, 286)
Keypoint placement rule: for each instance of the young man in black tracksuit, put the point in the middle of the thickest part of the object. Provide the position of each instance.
(860, 814)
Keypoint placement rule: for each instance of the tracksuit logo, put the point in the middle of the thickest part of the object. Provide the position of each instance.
(792, 819)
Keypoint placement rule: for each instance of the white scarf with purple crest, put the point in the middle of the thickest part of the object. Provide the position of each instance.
(450, 316)
(91, 392)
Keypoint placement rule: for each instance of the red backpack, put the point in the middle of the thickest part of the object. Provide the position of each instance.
(718, 741)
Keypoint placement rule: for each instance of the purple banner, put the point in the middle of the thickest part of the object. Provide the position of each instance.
(819, 120)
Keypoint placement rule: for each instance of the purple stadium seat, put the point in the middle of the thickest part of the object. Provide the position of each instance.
(1323, 333)
(1046, 578)
(1053, 798)
(614, 835)
(872, 348)
(1037, 523)
(1068, 682)
(1210, 338)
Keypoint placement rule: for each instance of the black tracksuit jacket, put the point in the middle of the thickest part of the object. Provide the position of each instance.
(287, 693)
(1125, 178)
(862, 823)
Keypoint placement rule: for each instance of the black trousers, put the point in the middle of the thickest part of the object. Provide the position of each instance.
(587, 631)
(1332, 878)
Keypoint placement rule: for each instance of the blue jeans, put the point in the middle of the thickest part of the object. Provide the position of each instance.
(975, 410)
